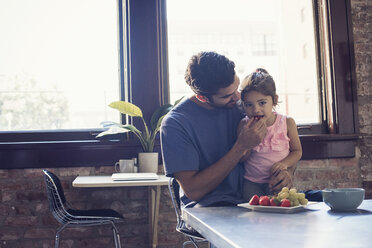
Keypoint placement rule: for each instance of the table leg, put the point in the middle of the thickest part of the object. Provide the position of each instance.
(154, 200)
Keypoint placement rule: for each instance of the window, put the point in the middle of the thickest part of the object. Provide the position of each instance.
(58, 64)
(253, 34)
(142, 39)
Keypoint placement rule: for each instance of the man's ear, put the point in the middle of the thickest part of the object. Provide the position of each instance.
(202, 98)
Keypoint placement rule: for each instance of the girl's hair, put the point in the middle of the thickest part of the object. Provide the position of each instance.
(259, 81)
(207, 72)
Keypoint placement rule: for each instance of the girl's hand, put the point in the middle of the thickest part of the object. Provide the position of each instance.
(282, 179)
(277, 167)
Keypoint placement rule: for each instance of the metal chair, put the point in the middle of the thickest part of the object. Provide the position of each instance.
(194, 236)
(69, 217)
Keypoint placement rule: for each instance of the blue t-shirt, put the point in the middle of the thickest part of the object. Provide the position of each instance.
(193, 138)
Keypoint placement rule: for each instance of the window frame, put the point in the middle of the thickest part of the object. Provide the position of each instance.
(142, 34)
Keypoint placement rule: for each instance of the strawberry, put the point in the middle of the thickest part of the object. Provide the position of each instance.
(254, 200)
(285, 203)
(274, 202)
(264, 201)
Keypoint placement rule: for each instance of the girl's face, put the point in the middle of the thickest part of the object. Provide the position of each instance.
(257, 105)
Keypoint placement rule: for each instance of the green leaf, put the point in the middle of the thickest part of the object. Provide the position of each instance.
(118, 128)
(176, 102)
(159, 124)
(127, 108)
(113, 130)
(160, 112)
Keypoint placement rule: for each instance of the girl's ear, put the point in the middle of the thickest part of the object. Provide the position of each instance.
(202, 98)
(276, 98)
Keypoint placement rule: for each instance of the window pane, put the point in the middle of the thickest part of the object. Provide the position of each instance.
(58, 64)
(276, 35)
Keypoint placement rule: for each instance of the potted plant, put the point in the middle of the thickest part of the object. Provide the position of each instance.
(148, 160)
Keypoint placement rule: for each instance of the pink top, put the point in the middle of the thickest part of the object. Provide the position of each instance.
(273, 148)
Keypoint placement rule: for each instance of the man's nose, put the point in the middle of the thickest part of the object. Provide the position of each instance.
(236, 96)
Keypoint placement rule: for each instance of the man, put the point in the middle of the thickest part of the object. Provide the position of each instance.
(200, 144)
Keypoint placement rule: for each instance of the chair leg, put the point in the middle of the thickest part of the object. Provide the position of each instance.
(191, 241)
(116, 236)
(56, 244)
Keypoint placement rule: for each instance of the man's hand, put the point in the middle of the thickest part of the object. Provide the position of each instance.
(279, 180)
(251, 133)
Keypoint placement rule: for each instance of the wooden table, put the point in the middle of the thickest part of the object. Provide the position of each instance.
(228, 227)
(154, 195)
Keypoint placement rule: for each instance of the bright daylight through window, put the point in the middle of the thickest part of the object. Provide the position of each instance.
(277, 35)
(58, 64)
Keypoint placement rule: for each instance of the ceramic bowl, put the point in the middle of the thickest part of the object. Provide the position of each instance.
(345, 199)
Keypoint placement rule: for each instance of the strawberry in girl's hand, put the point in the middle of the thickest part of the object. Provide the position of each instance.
(254, 200)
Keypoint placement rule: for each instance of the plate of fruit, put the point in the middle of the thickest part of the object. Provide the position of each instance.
(286, 201)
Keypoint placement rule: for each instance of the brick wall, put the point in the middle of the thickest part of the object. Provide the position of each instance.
(362, 30)
(25, 220)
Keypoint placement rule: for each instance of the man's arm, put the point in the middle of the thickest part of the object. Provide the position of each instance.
(196, 184)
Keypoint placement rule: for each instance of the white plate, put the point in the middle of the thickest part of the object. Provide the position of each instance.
(274, 209)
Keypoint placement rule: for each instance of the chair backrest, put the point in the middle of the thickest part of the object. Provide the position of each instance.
(174, 189)
(56, 196)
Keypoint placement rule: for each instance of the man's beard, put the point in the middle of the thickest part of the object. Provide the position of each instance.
(228, 105)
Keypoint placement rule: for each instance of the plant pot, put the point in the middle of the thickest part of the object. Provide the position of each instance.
(148, 162)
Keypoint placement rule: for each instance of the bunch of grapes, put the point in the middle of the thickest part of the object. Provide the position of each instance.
(291, 194)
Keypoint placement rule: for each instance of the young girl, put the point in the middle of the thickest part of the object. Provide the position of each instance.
(281, 147)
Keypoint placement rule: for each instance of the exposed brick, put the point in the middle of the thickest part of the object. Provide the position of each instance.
(343, 163)
(313, 164)
(104, 170)
(4, 174)
(349, 184)
(73, 172)
(329, 175)
(36, 233)
(138, 193)
(7, 233)
(367, 184)
(304, 175)
(96, 242)
(30, 196)
(7, 196)
(19, 209)
(25, 221)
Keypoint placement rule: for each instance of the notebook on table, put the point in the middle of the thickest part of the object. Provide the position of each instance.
(134, 176)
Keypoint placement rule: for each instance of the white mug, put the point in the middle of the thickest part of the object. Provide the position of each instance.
(125, 166)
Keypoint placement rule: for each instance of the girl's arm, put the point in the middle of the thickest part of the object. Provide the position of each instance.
(295, 150)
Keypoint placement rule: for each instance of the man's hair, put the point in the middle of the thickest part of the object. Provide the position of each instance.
(207, 72)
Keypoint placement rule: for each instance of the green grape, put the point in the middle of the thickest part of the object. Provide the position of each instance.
(285, 189)
(283, 195)
(303, 201)
(292, 191)
(300, 195)
(292, 198)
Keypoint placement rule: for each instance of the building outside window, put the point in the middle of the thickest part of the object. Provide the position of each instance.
(253, 34)
(59, 64)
